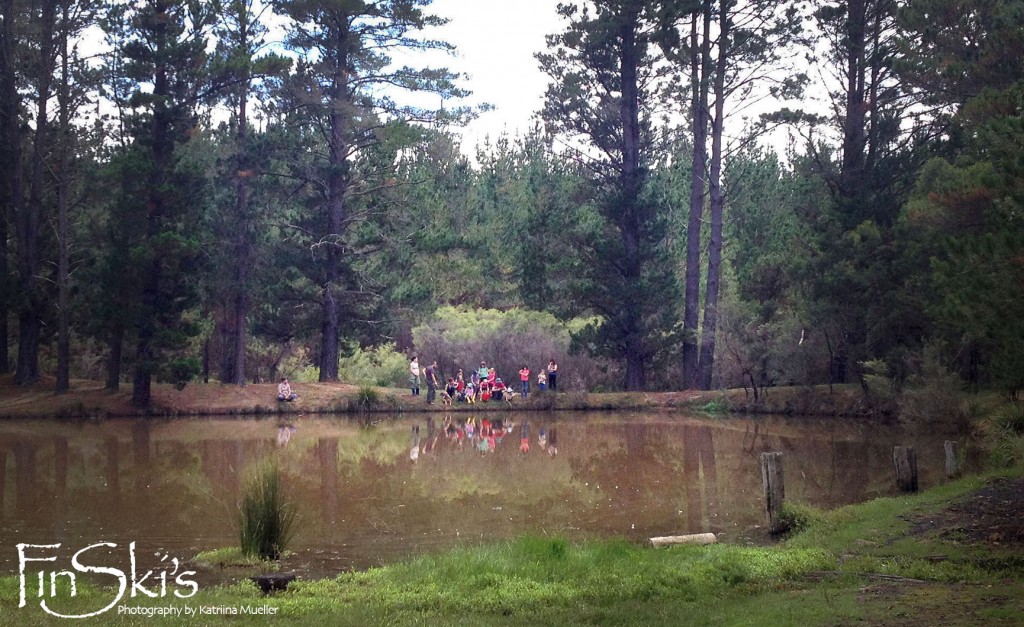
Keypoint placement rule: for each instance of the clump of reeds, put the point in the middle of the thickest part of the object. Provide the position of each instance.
(367, 398)
(265, 518)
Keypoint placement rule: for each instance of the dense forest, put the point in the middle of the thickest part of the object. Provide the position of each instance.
(715, 193)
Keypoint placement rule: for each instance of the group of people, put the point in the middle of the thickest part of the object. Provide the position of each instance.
(482, 384)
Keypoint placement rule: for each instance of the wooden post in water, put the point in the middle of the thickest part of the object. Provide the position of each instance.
(906, 468)
(774, 490)
(952, 459)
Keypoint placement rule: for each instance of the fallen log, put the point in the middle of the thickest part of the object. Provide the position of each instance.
(691, 538)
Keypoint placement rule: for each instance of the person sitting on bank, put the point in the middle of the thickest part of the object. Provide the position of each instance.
(284, 391)
(498, 391)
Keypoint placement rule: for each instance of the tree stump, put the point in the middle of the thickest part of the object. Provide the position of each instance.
(774, 490)
(952, 459)
(905, 459)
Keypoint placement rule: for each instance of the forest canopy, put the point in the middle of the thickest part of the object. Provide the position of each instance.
(714, 193)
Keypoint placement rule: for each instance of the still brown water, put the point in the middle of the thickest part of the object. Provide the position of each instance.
(365, 497)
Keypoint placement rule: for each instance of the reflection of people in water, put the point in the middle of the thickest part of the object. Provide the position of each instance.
(284, 434)
(524, 437)
(542, 439)
(553, 442)
(432, 434)
(414, 450)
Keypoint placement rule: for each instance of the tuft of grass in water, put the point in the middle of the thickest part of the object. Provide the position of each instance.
(265, 518)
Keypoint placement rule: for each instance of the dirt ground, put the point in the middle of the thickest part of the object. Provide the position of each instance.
(990, 522)
(993, 515)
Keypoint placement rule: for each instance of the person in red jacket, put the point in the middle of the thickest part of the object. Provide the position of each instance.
(524, 381)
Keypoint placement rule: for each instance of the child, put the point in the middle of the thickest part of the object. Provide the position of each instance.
(542, 379)
(524, 380)
(284, 391)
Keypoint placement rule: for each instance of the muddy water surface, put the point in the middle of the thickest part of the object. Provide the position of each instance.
(373, 492)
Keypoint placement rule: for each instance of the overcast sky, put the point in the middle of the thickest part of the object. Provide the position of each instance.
(496, 41)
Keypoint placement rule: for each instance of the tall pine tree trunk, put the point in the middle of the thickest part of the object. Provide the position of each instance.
(700, 33)
(337, 182)
(241, 301)
(161, 150)
(29, 220)
(63, 184)
(629, 221)
(11, 182)
(854, 123)
(115, 348)
(714, 277)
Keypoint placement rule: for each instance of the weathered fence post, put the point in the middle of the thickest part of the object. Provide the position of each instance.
(774, 489)
(906, 468)
(952, 459)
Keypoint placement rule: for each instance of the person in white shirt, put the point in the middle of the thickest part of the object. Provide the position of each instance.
(414, 376)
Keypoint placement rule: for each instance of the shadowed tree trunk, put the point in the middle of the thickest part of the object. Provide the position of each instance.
(714, 276)
(632, 182)
(337, 183)
(11, 183)
(700, 53)
(29, 220)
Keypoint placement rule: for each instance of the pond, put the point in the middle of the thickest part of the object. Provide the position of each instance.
(366, 497)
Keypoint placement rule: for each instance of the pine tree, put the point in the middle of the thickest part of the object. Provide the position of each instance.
(604, 89)
(345, 49)
(164, 44)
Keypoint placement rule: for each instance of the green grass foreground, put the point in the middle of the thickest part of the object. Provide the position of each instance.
(866, 563)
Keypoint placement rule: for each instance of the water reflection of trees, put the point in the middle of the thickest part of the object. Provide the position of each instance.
(356, 486)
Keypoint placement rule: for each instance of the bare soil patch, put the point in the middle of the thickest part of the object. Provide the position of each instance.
(993, 515)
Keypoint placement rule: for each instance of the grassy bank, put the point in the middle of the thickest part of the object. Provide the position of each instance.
(912, 560)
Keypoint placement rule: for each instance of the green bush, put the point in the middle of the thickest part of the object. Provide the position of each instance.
(381, 366)
(462, 337)
(265, 519)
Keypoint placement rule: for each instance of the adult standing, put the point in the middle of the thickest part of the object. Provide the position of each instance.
(553, 375)
(414, 376)
(431, 374)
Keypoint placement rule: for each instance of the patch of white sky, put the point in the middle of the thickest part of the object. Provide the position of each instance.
(495, 42)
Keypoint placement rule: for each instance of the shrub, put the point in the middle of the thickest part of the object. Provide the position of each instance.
(381, 366)
(461, 337)
(266, 519)
(1010, 417)
(933, 393)
(795, 517)
(1006, 436)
